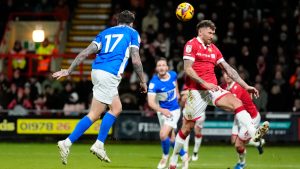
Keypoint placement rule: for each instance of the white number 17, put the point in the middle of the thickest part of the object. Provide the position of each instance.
(108, 39)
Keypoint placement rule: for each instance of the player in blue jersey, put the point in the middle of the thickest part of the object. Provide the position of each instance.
(113, 47)
(163, 98)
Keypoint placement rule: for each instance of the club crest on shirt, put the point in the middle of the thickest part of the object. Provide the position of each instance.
(151, 85)
(188, 49)
(209, 50)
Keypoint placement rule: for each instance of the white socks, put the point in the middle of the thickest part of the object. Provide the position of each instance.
(68, 142)
(99, 143)
(197, 144)
(242, 157)
(186, 144)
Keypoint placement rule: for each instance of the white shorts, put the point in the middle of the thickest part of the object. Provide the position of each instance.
(105, 85)
(170, 121)
(241, 131)
(198, 100)
(199, 121)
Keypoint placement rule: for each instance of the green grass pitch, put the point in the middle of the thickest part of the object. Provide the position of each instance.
(141, 156)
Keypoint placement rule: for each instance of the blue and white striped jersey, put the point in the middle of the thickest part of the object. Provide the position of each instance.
(114, 54)
(165, 91)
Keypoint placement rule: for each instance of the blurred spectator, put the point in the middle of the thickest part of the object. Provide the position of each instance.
(150, 21)
(11, 94)
(276, 100)
(261, 65)
(279, 80)
(40, 105)
(4, 83)
(62, 9)
(72, 106)
(262, 100)
(114, 18)
(17, 78)
(4, 89)
(44, 6)
(162, 45)
(232, 62)
(82, 87)
(54, 84)
(18, 53)
(294, 77)
(52, 98)
(296, 90)
(296, 107)
(35, 87)
(45, 50)
(19, 104)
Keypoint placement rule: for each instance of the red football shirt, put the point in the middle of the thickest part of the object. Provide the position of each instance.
(205, 59)
(238, 91)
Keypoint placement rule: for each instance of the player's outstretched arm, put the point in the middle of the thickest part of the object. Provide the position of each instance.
(236, 77)
(189, 71)
(92, 48)
(138, 67)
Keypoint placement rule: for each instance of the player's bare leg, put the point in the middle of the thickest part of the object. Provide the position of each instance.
(230, 103)
(107, 121)
(179, 142)
(241, 151)
(64, 145)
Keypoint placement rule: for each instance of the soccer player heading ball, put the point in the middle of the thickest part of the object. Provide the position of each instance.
(112, 47)
(201, 56)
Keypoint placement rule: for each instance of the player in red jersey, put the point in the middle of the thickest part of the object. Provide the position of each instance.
(201, 56)
(240, 136)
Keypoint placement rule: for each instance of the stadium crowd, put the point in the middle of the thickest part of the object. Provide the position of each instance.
(260, 40)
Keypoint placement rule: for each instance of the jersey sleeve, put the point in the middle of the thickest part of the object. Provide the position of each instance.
(240, 91)
(173, 75)
(219, 56)
(188, 52)
(152, 87)
(97, 40)
(135, 39)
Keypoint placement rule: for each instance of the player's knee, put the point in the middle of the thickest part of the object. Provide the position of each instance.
(163, 135)
(93, 116)
(116, 111)
(240, 149)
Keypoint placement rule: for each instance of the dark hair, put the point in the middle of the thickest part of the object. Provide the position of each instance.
(206, 24)
(161, 58)
(126, 17)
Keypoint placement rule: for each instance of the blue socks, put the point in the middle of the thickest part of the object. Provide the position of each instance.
(80, 128)
(181, 153)
(107, 121)
(165, 144)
